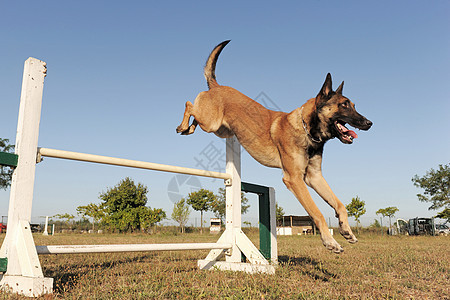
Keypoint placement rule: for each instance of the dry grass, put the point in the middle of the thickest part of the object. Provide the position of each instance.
(375, 268)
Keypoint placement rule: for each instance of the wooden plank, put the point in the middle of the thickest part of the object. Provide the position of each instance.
(8, 159)
(46, 152)
(72, 249)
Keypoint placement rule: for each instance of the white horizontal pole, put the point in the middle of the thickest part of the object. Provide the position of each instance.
(128, 163)
(72, 249)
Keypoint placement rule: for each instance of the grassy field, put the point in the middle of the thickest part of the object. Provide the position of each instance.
(378, 267)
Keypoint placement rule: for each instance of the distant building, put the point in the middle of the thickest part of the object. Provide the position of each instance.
(296, 225)
(215, 226)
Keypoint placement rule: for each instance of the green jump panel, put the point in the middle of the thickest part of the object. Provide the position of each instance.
(8, 159)
(264, 216)
(3, 264)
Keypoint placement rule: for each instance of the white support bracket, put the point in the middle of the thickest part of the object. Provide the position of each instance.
(26, 251)
(236, 266)
(249, 249)
(256, 261)
(26, 278)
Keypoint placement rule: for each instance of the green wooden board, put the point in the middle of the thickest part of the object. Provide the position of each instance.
(264, 216)
(8, 159)
(3, 264)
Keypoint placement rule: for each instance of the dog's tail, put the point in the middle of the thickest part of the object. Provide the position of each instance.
(210, 66)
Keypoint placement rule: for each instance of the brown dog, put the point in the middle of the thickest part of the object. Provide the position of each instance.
(290, 141)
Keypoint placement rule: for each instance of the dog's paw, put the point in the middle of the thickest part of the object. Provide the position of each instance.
(332, 245)
(351, 239)
(348, 235)
(186, 131)
(180, 129)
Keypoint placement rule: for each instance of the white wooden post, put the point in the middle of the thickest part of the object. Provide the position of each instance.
(273, 227)
(24, 273)
(46, 226)
(233, 196)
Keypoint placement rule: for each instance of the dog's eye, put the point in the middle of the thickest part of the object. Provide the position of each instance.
(344, 105)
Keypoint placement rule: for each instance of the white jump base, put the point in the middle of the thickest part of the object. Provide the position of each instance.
(24, 273)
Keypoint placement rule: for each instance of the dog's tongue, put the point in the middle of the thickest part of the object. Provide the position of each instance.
(352, 134)
(349, 132)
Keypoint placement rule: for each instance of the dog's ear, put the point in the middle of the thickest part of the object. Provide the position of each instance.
(340, 88)
(326, 90)
(327, 87)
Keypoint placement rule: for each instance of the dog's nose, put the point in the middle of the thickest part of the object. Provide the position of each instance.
(368, 123)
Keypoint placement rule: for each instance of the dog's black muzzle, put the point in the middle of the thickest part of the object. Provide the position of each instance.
(364, 125)
(358, 121)
(346, 135)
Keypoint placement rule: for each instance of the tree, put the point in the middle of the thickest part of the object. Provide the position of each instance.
(356, 209)
(5, 172)
(375, 224)
(387, 212)
(124, 207)
(148, 217)
(445, 214)
(180, 213)
(120, 203)
(436, 184)
(201, 201)
(279, 212)
(66, 218)
(126, 194)
(218, 206)
(96, 212)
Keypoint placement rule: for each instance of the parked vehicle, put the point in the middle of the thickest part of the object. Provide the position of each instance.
(421, 226)
(401, 227)
(442, 229)
(3, 224)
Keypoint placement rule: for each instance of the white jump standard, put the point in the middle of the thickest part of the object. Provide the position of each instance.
(24, 273)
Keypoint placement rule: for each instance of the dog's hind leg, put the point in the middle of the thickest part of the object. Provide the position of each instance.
(191, 128)
(315, 180)
(184, 127)
(224, 132)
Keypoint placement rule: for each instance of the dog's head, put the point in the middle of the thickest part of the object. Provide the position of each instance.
(335, 111)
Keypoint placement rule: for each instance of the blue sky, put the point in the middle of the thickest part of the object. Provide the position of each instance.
(119, 75)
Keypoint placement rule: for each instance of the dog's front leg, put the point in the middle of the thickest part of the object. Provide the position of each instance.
(315, 180)
(294, 182)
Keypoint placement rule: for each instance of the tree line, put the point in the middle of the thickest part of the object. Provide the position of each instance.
(123, 208)
(436, 186)
(356, 209)
(204, 200)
